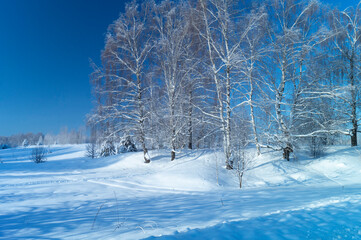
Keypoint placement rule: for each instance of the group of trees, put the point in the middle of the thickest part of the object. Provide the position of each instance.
(21, 139)
(224, 73)
(64, 137)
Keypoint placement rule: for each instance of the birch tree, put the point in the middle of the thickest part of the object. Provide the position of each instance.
(172, 25)
(129, 43)
(293, 35)
(347, 26)
(255, 49)
(218, 21)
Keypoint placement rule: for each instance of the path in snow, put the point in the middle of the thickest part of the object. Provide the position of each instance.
(339, 220)
(69, 212)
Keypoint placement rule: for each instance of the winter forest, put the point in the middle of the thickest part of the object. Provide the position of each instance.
(276, 74)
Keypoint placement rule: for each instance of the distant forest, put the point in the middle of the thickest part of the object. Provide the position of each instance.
(64, 137)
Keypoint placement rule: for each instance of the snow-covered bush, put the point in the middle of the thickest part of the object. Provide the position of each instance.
(107, 148)
(317, 146)
(4, 146)
(38, 155)
(91, 150)
(25, 143)
(127, 145)
(40, 141)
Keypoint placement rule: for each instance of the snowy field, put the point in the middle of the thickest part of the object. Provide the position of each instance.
(74, 197)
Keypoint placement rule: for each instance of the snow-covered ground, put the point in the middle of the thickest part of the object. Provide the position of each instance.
(74, 197)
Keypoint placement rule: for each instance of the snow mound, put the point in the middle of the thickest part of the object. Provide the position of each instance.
(197, 170)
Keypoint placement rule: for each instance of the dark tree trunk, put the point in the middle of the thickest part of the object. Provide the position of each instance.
(240, 181)
(146, 158)
(190, 123)
(353, 101)
(286, 153)
(172, 124)
(354, 137)
(190, 145)
(190, 131)
(229, 165)
(172, 155)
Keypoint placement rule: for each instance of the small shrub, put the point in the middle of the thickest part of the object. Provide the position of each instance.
(243, 161)
(4, 146)
(38, 155)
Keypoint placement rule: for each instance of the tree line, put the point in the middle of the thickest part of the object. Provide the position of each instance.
(276, 74)
(65, 136)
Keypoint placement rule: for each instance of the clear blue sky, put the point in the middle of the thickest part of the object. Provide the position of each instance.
(45, 46)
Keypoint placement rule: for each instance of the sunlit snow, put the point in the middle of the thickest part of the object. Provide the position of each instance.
(74, 197)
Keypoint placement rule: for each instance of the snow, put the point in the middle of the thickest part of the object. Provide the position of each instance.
(74, 197)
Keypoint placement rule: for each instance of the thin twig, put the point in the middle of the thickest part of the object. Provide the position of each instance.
(96, 216)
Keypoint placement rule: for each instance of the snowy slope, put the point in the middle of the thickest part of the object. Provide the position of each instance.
(194, 197)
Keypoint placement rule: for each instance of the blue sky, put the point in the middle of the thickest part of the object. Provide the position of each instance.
(45, 46)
